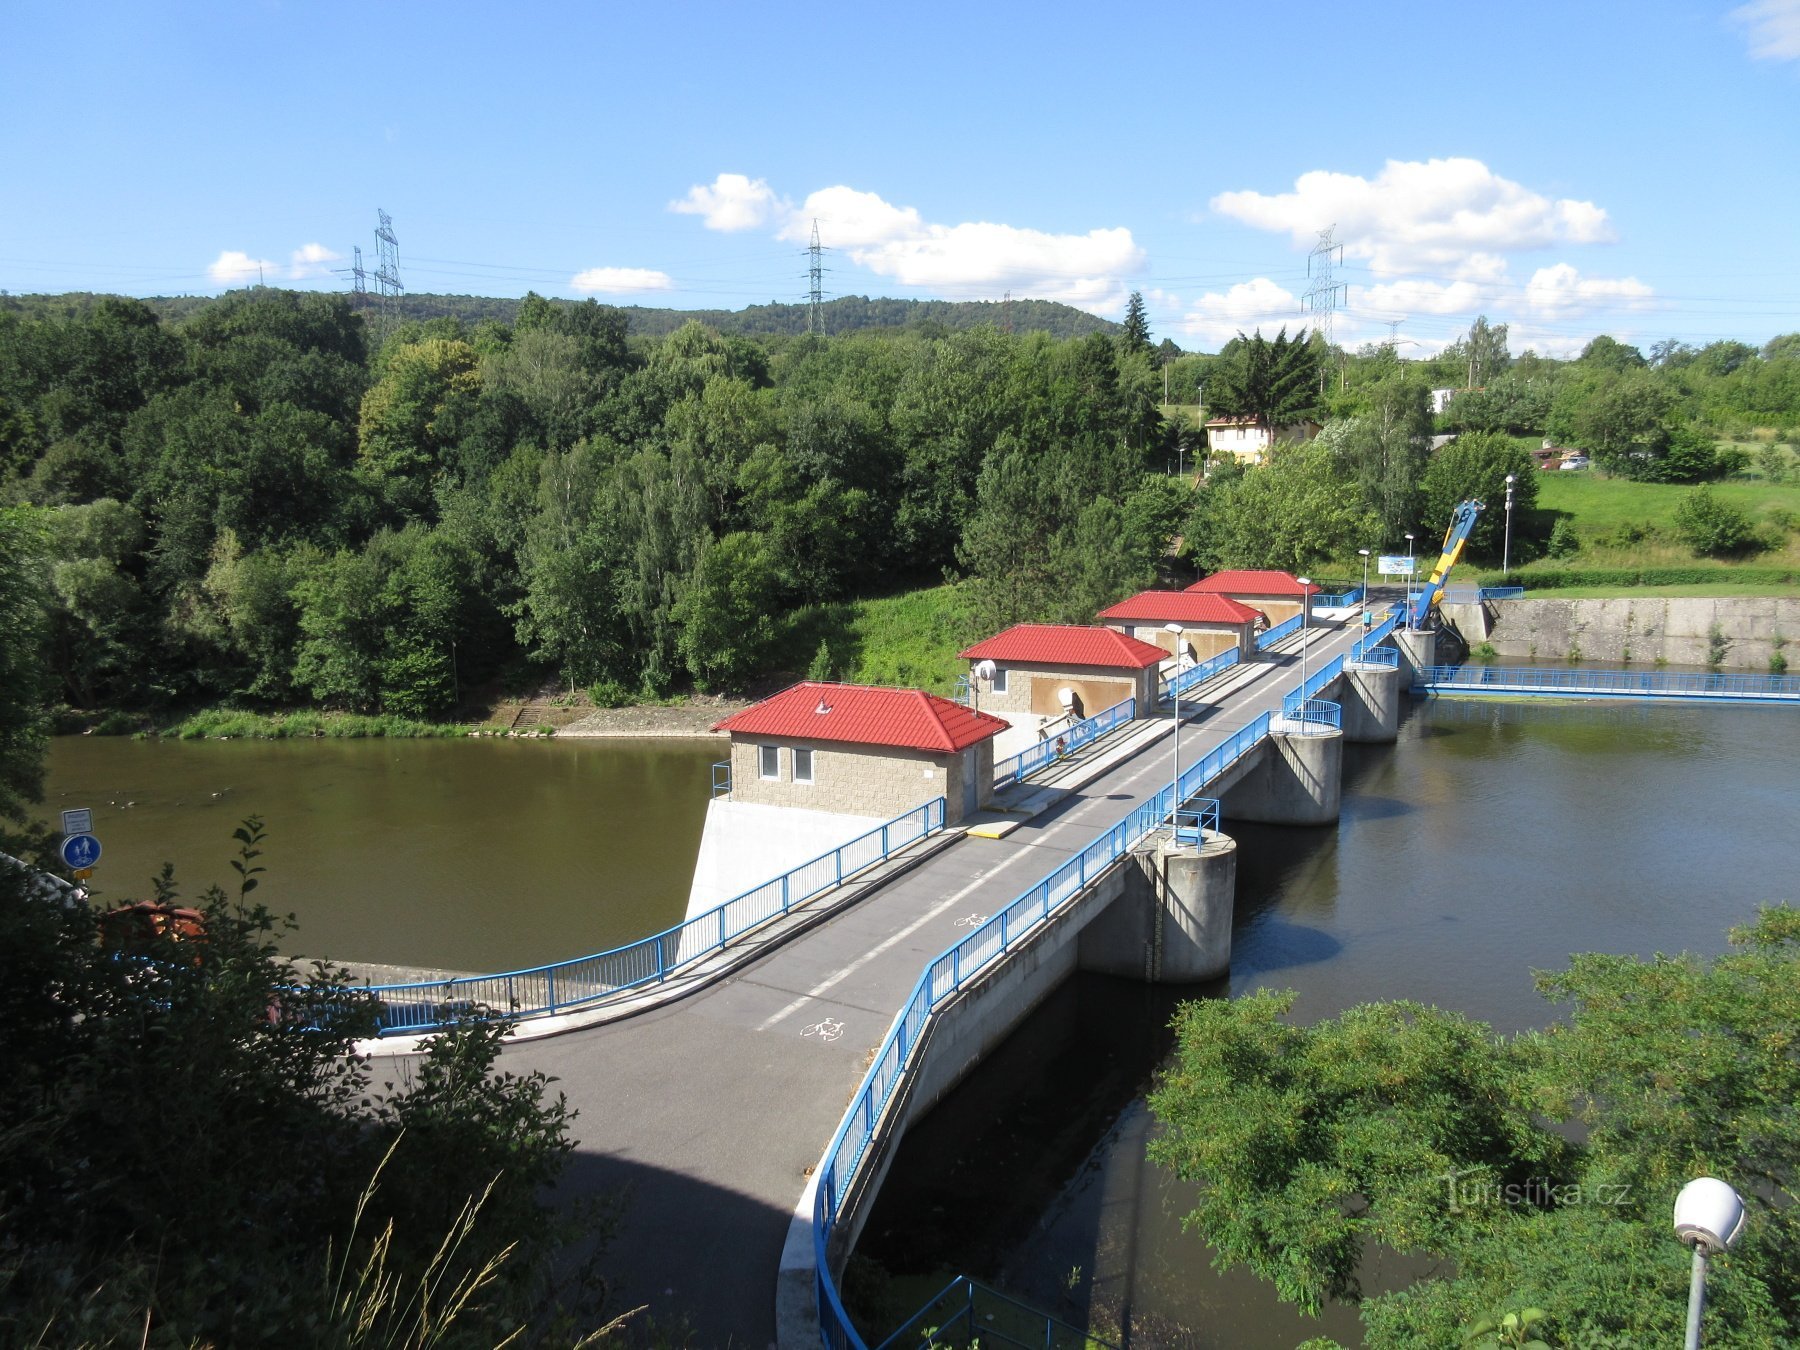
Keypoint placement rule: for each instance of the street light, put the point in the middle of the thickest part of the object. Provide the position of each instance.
(1305, 608)
(1506, 551)
(1409, 580)
(1709, 1216)
(1175, 688)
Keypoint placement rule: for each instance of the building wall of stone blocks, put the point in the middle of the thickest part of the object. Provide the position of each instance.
(1032, 688)
(1207, 640)
(865, 780)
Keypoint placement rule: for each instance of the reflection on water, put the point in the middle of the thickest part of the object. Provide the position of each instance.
(1494, 838)
(473, 854)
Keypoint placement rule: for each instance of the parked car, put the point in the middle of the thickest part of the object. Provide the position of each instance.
(1577, 462)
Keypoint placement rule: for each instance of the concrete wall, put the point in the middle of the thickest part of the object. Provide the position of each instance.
(1298, 781)
(1033, 688)
(858, 780)
(1739, 632)
(745, 844)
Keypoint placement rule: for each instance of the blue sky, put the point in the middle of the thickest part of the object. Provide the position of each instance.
(1568, 168)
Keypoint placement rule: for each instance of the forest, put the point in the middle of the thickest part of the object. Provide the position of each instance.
(264, 501)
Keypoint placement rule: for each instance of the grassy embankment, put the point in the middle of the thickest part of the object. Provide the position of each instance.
(229, 723)
(909, 639)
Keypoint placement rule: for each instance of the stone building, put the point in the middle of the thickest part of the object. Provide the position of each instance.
(861, 750)
(1279, 595)
(1209, 623)
(1034, 664)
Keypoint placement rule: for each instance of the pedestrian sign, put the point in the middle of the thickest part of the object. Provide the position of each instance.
(80, 850)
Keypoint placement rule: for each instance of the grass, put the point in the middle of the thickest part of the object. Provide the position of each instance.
(909, 639)
(1706, 590)
(230, 723)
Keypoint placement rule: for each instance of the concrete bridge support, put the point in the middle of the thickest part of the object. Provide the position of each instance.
(1370, 696)
(1417, 650)
(1299, 782)
(1172, 921)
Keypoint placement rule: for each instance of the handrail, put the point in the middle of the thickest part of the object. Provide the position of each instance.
(1182, 681)
(1469, 595)
(1379, 633)
(541, 991)
(1312, 712)
(1694, 684)
(1377, 656)
(1502, 592)
(953, 970)
(964, 1312)
(721, 786)
(1270, 636)
(1342, 600)
(1016, 768)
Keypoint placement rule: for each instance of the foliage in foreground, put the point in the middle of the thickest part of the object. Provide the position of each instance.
(190, 1139)
(1420, 1130)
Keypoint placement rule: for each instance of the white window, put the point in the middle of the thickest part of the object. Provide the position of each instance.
(768, 761)
(802, 766)
(998, 683)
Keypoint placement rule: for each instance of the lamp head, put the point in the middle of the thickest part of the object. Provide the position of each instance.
(1509, 480)
(1172, 627)
(1708, 1213)
(1363, 551)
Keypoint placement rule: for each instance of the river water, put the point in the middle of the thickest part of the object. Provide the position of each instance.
(470, 854)
(1492, 839)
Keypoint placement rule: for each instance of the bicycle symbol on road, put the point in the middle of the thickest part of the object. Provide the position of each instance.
(827, 1029)
(970, 921)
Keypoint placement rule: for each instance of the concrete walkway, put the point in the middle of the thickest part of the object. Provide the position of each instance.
(709, 1114)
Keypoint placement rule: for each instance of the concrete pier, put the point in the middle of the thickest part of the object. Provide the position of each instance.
(1298, 782)
(1417, 650)
(1370, 697)
(1172, 923)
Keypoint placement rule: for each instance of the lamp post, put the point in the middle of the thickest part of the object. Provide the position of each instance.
(1409, 580)
(1365, 596)
(1175, 689)
(1305, 609)
(1506, 549)
(1709, 1216)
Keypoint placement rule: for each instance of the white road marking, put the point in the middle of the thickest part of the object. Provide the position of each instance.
(826, 1029)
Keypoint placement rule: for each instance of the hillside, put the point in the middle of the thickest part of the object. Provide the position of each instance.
(845, 314)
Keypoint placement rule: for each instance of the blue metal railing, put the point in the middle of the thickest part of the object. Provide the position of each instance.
(1343, 600)
(1378, 656)
(1016, 768)
(1197, 674)
(1613, 683)
(1469, 595)
(1502, 592)
(1286, 628)
(721, 778)
(956, 968)
(564, 985)
(965, 1314)
(1365, 648)
(1312, 712)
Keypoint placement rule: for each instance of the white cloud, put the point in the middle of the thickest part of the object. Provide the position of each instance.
(232, 268)
(733, 202)
(1452, 214)
(1773, 28)
(1416, 295)
(1562, 292)
(620, 280)
(1247, 306)
(309, 260)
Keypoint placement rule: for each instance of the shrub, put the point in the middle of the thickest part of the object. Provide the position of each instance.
(609, 694)
(1563, 543)
(1712, 528)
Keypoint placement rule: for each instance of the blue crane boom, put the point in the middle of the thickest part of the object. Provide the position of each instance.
(1454, 539)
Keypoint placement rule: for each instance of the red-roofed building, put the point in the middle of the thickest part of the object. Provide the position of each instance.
(1035, 664)
(861, 750)
(1209, 623)
(1279, 595)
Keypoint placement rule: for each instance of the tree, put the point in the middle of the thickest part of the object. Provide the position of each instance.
(1711, 527)
(1134, 335)
(1620, 415)
(1290, 513)
(1386, 450)
(1608, 353)
(1421, 1130)
(23, 726)
(1475, 465)
(1273, 382)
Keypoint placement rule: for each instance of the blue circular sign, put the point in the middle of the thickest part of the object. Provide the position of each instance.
(80, 850)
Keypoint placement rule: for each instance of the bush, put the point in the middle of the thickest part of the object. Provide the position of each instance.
(1563, 543)
(1712, 528)
(1698, 575)
(610, 694)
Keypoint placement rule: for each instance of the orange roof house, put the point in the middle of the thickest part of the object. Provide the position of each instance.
(1033, 667)
(1209, 623)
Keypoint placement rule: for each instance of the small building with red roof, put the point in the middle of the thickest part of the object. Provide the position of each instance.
(1279, 595)
(861, 750)
(1031, 667)
(1209, 623)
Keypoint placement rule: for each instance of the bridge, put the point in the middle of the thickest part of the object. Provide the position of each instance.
(709, 1109)
(1575, 682)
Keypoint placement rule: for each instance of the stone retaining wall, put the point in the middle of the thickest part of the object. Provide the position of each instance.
(1737, 633)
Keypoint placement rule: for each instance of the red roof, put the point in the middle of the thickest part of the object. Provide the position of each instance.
(1252, 583)
(1181, 607)
(862, 714)
(1066, 644)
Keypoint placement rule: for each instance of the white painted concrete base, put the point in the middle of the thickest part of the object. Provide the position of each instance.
(1023, 734)
(747, 843)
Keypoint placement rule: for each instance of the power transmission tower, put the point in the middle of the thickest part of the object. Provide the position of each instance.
(815, 278)
(387, 271)
(1006, 312)
(1321, 296)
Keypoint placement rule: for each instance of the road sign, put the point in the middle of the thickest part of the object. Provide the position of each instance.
(1394, 565)
(78, 822)
(80, 850)
(82, 873)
